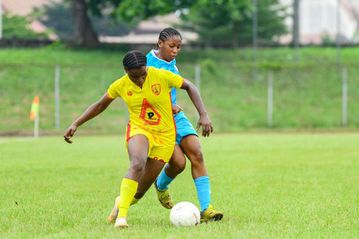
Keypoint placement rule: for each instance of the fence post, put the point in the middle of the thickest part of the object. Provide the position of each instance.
(345, 97)
(1, 16)
(198, 76)
(57, 96)
(270, 100)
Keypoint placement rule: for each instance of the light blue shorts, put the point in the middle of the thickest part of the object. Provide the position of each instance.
(183, 127)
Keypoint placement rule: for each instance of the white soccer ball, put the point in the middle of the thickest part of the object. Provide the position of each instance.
(185, 214)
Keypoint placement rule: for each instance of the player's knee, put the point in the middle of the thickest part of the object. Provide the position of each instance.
(196, 157)
(177, 166)
(180, 167)
(137, 166)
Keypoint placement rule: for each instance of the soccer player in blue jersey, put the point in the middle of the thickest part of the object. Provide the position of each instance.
(187, 143)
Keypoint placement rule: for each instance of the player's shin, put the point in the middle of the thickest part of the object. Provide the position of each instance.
(127, 193)
(203, 191)
(163, 180)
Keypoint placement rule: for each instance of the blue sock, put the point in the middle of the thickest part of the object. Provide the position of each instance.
(163, 181)
(203, 191)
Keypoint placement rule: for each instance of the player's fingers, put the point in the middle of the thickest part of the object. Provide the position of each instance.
(67, 139)
(205, 131)
(198, 126)
(208, 130)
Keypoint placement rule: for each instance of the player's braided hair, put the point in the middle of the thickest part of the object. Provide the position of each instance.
(168, 33)
(134, 59)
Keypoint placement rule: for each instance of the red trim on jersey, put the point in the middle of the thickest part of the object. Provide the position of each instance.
(128, 131)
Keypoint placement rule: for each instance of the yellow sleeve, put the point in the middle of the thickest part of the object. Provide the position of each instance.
(173, 79)
(114, 90)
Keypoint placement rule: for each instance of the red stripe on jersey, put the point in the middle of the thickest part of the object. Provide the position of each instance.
(128, 131)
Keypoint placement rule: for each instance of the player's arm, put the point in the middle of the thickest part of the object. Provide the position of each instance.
(92, 111)
(195, 97)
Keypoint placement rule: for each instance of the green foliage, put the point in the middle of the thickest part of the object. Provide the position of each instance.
(58, 17)
(98, 7)
(229, 22)
(134, 11)
(17, 27)
(274, 66)
(209, 65)
(220, 22)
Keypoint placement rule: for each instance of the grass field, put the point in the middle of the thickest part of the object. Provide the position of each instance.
(268, 185)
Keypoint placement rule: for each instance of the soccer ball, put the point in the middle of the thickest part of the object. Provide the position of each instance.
(185, 214)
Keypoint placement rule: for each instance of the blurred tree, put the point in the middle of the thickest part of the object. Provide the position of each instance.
(58, 17)
(84, 34)
(133, 11)
(130, 10)
(229, 22)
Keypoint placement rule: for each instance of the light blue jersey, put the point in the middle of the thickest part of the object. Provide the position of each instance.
(183, 129)
(183, 125)
(153, 60)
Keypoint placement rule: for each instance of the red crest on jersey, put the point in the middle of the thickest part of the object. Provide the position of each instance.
(156, 89)
(129, 93)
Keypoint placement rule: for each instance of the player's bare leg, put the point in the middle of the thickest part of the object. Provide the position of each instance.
(174, 167)
(152, 169)
(192, 148)
(150, 173)
(137, 150)
(177, 163)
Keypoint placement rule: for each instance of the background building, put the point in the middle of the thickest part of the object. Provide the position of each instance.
(318, 21)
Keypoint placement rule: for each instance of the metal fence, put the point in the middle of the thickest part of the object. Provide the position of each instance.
(294, 97)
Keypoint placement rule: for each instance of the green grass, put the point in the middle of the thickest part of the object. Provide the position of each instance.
(268, 186)
(307, 94)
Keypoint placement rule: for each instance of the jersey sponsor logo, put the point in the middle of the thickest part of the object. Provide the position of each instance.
(156, 89)
(149, 114)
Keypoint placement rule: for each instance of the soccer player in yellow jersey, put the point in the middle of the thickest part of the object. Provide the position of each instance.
(151, 131)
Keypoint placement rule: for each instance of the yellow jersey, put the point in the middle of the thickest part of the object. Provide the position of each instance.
(149, 107)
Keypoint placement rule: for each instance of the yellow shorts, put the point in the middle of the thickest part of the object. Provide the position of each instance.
(160, 146)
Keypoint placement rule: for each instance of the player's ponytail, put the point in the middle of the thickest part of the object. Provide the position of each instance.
(167, 33)
(134, 59)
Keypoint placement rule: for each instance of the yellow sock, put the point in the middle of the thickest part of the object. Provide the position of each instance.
(127, 192)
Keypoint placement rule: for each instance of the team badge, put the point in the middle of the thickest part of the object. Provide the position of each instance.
(156, 89)
(129, 93)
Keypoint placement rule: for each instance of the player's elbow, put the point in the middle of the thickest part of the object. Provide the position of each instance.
(188, 86)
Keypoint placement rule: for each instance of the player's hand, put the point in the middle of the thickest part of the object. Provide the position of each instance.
(69, 133)
(176, 109)
(205, 124)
